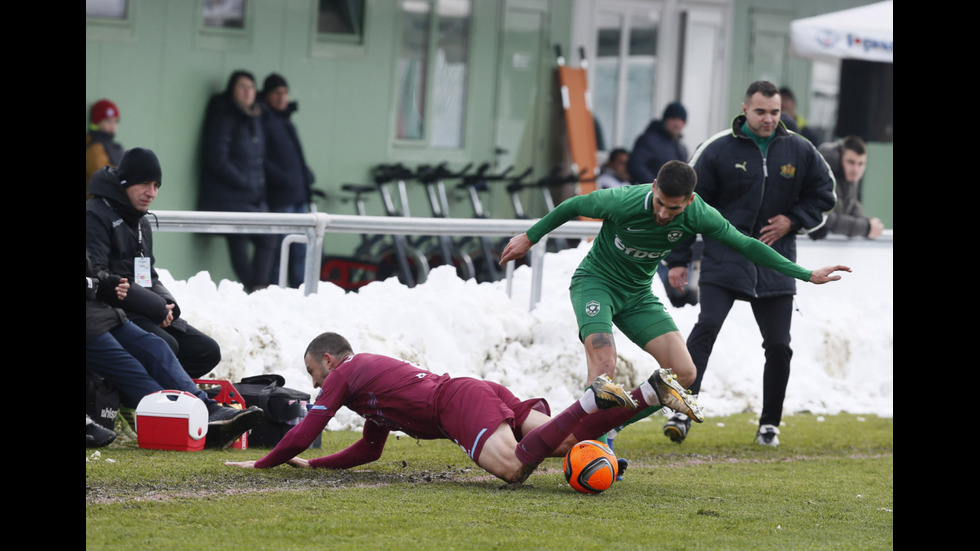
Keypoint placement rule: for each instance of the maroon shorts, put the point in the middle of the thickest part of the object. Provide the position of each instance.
(470, 410)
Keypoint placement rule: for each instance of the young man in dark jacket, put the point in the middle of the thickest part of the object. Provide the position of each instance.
(138, 363)
(287, 176)
(848, 158)
(120, 241)
(770, 184)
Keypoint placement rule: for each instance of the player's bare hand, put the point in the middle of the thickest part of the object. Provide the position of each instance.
(242, 464)
(677, 277)
(298, 462)
(517, 247)
(778, 226)
(823, 275)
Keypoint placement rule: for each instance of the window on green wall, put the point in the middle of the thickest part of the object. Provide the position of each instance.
(625, 71)
(432, 72)
(340, 20)
(224, 14)
(108, 9)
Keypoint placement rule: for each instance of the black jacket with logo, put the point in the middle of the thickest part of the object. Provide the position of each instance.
(749, 188)
(115, 235)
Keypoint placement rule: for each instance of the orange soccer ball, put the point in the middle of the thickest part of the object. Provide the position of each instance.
(590, 467)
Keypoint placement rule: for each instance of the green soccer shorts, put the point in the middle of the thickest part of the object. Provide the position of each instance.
(598, 304)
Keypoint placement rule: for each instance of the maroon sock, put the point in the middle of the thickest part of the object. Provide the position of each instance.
(604, 420)
(540, 442)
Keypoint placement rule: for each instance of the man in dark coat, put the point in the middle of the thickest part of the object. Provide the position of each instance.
(848, 158)
(120, 241)
(287, 176)
(770, 184)
(659, 143)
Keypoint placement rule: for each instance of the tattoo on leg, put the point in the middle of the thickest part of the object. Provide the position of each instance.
(602, 340)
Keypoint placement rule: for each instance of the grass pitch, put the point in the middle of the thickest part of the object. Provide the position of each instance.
(829, 485)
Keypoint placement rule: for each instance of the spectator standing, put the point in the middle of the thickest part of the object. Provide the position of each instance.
(847, 159)
(288, 178)
(120, 241)
(615, 172)
(233, 175)
(659, 143)
(770, 184)
(793, 120)
(101, 147)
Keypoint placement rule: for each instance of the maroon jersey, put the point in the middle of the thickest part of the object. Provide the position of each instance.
(393, 394)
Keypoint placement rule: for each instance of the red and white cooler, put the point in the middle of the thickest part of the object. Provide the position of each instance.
(171, 420)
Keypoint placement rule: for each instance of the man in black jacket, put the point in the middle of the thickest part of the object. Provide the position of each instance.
(288, 178)
(138, 363)
(770, 184)
(120, 241)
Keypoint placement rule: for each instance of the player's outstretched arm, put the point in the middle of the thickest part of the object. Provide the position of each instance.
(823, 275)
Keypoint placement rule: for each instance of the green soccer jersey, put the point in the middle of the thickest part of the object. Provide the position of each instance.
(631, 244)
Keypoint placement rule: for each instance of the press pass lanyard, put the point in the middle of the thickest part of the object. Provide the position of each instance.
(141, 263)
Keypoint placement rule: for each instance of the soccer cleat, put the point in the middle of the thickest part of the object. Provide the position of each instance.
(677, 426)
(622, 464)
(767, 436)
(611, 395)
(226, 424)
(672, 395)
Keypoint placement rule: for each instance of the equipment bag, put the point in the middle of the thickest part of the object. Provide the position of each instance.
(284, 408)
(101, 400)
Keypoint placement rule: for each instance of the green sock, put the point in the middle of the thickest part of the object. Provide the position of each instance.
(642, 414)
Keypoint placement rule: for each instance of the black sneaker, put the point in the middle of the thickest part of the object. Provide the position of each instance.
(226, 424)
(96, 435)
(677, 426)
(622, 467)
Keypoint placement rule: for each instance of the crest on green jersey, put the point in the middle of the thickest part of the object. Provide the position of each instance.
(592, 308)
(674, 235)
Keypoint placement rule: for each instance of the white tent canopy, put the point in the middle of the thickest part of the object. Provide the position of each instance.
(863, 33)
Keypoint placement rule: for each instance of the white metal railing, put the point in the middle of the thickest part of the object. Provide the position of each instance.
(311, 227)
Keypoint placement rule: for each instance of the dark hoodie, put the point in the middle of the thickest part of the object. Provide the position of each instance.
(233, 171)
(115, 235)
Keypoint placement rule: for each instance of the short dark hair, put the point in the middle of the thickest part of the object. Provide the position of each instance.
(677, 179)
(786, 93)
(767, 89)
(329, 343)
(615, 153)
(855, 144)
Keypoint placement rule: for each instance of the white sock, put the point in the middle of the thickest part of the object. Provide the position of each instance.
(649, 394)
(587, 401)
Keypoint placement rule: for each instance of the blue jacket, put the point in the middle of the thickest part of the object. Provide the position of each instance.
(233, 174)
(286, 174)
(748, 188)
(651, 150)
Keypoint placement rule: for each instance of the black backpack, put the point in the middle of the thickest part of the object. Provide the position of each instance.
(284, 408)
(101, 400)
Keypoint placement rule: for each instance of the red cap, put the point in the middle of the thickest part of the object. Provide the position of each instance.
(104, 109)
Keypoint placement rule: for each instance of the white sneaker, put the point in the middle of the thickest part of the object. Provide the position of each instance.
(767, 435)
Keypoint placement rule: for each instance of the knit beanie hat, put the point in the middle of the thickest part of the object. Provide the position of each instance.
(104, 109)
(272, 82)
(139, 165)
(675, 111)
